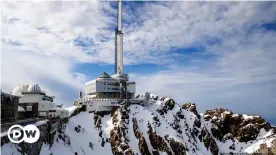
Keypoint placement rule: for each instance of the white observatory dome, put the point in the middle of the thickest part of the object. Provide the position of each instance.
(34, 88)
(17, 91)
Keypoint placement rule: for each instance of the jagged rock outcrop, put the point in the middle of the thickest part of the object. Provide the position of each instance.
(264, 149)
(118, 135)
(244, 128)
(97, 120)
(157, 142)
(167, 105)
(143, 147)
(177, 147)
(209, 141)
(191, 107)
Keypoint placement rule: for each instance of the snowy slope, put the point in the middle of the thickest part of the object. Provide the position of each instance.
(71, 109)
(79, 141)
(164, 127)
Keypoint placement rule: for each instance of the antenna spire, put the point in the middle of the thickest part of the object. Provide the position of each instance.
(119, 28)
(119, 41)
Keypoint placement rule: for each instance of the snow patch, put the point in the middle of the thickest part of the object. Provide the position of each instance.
(71, 109)
(248, 117)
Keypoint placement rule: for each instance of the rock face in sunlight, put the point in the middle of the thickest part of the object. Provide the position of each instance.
(165, 127)
(228, 125)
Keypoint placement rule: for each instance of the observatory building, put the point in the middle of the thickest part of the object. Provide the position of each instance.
(105, 92)
(34, 102)
(106, 86)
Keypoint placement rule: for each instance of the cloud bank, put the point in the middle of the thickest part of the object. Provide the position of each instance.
(217, 54)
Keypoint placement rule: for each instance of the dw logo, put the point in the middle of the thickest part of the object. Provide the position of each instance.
(29, 134)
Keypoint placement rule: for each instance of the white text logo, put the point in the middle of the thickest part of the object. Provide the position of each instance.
(29, 134)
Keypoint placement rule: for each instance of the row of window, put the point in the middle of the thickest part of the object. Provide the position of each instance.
(90, 89)
(112, 88)
(104, 88)
(112, 84)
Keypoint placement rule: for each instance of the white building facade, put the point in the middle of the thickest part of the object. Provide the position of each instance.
(33, 99)
(106, 92)
(108, 87)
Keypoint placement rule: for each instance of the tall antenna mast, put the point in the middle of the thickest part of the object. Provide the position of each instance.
(119, 15)
(119, 41)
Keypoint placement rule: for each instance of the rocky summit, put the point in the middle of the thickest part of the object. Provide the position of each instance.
(165, 127)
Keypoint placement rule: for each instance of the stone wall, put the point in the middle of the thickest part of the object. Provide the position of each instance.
(45, 137)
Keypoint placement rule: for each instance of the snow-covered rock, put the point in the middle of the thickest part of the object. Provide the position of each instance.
(164, 127)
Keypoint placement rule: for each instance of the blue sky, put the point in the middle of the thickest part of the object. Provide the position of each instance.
(216, 54)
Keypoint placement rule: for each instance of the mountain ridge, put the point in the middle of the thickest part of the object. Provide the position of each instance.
(164, 127)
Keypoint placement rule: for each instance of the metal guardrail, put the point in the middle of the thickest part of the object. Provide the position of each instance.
(94, 99)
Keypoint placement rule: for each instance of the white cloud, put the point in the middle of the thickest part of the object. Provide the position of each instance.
(210, 91)
(38, 46)
(157, 27)
(21, 67)
(182, 24)
(80, 77)
(241, 79)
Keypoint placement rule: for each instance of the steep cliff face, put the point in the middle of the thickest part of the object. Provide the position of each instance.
(164, 127)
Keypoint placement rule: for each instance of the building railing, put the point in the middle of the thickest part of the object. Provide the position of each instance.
(94, 99)
(97, 99)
